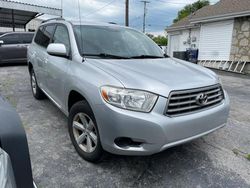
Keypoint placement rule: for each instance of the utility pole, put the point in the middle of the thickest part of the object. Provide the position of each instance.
(62, 8)
(144, 15)
(127, 13)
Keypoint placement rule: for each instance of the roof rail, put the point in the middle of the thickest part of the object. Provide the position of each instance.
(51, 19)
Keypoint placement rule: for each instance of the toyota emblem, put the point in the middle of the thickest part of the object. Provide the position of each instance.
(201, 99)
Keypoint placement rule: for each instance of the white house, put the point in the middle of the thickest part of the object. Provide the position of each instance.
(220, 32)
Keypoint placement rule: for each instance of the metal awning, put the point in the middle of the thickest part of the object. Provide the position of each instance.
(17, 15)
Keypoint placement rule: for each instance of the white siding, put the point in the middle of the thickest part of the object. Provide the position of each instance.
(195, 34)
(215, 40)
(183, 37)
(178, 41)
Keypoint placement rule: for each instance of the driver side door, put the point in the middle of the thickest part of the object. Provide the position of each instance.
(57, 67)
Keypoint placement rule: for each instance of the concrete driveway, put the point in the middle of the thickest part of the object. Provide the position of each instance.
(216, 160)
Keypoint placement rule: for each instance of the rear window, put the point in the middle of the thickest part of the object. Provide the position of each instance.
(44, 34)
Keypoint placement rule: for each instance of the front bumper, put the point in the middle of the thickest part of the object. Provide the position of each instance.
(156, 131)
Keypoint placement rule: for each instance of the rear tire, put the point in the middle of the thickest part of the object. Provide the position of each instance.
(84, 133)
(36, 91)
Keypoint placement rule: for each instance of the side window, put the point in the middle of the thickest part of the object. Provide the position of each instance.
(44, 34)
(39, 36)
(10, 39)
(61, 35)
(27, 38)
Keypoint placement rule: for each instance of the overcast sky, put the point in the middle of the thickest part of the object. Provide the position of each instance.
(160, 13)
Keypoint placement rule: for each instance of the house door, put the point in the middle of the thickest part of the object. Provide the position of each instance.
(174, 44)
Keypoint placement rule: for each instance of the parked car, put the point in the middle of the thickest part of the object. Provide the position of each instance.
(1, 33)
(15, 166)
(119, 91)
(13, 47)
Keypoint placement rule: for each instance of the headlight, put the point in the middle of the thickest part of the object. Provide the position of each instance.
(129, 99)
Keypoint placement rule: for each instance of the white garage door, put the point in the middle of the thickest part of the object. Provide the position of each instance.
(215, 40)
(174, 44)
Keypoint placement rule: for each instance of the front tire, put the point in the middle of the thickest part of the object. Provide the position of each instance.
(84, 133)
(36, 91)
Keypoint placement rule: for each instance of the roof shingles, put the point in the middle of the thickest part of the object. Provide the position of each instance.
(223, 7)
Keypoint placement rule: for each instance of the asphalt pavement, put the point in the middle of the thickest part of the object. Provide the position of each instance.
(216, 160)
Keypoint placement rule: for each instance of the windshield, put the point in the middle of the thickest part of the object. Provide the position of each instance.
(115, 42)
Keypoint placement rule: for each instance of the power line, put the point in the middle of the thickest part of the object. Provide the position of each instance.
(136, 18)
(100, 8)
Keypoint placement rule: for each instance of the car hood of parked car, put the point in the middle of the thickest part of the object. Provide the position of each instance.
(159, 76)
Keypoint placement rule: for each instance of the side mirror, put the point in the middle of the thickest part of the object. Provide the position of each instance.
(57, 49)
(1, 42)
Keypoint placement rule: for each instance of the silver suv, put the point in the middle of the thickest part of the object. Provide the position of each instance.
(120, 92)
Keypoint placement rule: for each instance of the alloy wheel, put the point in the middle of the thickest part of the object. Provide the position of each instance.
(33, 82)
(85, 132)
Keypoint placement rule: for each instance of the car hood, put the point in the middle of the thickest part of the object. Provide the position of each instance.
(159, 76)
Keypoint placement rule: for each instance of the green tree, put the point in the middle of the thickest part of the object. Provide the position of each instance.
(188, 9)
(161, 40)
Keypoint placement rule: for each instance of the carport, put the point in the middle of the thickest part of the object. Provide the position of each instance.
(17, 14)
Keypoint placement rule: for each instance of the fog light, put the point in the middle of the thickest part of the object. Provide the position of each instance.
(126, 142)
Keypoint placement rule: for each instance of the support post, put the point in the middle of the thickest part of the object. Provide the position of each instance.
(13, 20)
(144, 15)
(127, 13)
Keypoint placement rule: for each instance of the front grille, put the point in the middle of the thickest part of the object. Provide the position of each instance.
(186, 101)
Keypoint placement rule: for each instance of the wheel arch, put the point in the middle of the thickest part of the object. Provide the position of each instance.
(74, 97)
(30, 66)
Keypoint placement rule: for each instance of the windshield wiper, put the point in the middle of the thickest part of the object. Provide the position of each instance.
(105, 55)
(146, 56)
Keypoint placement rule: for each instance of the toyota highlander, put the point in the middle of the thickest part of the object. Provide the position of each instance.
(120, 92)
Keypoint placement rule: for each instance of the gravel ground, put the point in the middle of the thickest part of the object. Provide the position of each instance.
(205, 162)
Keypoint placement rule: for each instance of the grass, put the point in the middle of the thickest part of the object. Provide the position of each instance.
(241, 153)
(248, 156)
(12, 101)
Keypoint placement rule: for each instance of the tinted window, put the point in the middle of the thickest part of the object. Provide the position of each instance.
(39, 36)
(62, 36)
(44, 34)
(26, 38)
(10, 38)
(114, 40)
